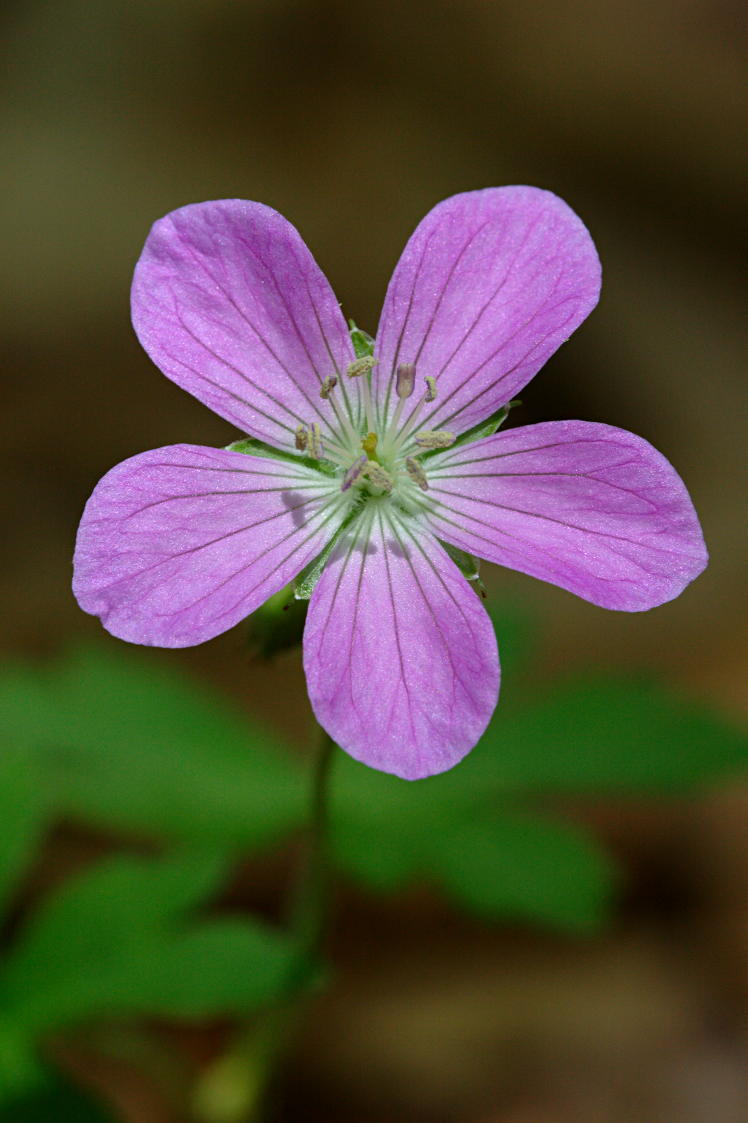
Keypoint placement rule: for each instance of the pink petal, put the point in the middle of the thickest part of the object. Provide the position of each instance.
(487, 288)
(179, 544)
(230, 304)
(400, 657)
(588, 507)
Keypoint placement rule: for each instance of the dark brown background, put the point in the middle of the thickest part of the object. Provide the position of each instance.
(353, 119)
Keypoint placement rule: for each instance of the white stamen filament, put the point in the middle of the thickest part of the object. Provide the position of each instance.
(362, 368)
(394, 440)
(345, 422)
(368, 404)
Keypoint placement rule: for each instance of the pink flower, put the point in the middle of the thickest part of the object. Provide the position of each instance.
(364, 462)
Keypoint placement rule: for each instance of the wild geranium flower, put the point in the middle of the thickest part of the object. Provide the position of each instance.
(377, 472)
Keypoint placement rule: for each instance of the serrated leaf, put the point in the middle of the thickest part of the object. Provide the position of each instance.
(526, 868)
(122, 939)
(607, 734)
(124, 742)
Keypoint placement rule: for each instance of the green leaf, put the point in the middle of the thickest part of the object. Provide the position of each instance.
(123, 939)
(388, 833)
(606, 734)
(21, 1072)
(55, 1100)
(126, 743)
(21, 815)
(527, 868)
(383, 828)
(229, 966)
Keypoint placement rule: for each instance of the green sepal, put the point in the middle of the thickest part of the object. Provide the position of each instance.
(310, 575)
(478, 432)
(250, 446)
(363, 343)
(468, 565)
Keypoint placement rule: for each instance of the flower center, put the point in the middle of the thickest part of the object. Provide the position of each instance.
(385, 465)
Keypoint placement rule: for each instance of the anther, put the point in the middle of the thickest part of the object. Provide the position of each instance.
(354, 472)
(329, 384)
(301, 437)
(435, 438)
(430, 388)
(405, 379)
(416, 473)
(376, 475)
(361, 366)
(315, 441)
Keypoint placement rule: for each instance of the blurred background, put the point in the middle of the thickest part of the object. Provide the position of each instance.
(353, 119)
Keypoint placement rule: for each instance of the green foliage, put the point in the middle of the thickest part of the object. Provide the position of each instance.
(517, 634)
(122, 742)
(528, 868)
(124, 938)
(467, 831)
(112, 737)
(601, 733)
(54, 1100)
(117, 740)
(489, 858)
(21, 815)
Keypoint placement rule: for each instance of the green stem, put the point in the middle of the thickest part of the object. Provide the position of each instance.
(309, 912)
(239, 1087)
